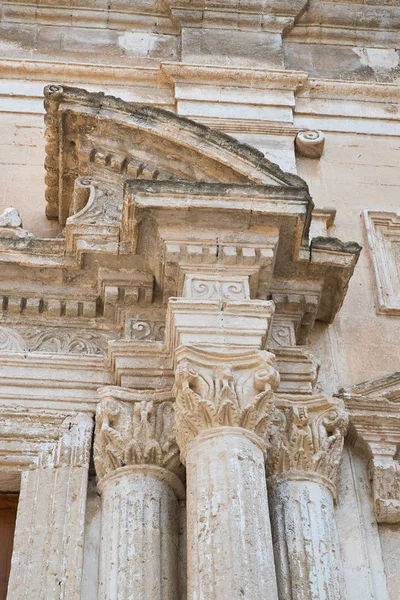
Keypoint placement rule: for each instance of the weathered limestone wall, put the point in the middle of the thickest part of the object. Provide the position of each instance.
(356, 173)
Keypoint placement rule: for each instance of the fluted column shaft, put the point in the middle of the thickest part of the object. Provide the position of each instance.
(305, 539)
(229, 539)
(305, 454)
(139, 534)
(137, 459)
(222, 415)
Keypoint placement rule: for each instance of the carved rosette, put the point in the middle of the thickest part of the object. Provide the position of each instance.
(306, 439)
(134, 428)
(215, 389)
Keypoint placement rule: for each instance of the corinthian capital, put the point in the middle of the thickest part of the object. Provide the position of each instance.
(134, 428)
(223, 388)
(308, 438)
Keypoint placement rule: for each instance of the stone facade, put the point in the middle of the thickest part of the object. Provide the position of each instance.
(199, 392)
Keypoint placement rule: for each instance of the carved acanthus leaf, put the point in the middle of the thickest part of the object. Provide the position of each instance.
(226, 395)
(134, 428)
(308, 438)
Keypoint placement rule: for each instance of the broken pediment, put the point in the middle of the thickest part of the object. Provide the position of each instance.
(156, 206)
(90, 134)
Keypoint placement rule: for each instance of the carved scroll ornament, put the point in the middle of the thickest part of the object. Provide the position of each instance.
(228, 394)
(308, 438)
(135, 428)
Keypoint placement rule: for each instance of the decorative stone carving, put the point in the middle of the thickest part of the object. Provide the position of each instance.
(386, 490)
(147, 331)
(134, 428)
(375, 428)
(310, 143)
(238, 393)
(10, 218)
(95, 203)
(11, 341)
(136, 459)
(308, 437)
(52, 340)
(383, 230)
(303, 460)
(211, 287)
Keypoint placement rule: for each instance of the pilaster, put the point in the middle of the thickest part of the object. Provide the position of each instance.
(48, 544)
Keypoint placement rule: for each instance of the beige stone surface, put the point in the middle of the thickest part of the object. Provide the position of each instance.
(176, 260)
(229, 538)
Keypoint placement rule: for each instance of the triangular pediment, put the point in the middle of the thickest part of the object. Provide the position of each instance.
(90, 134)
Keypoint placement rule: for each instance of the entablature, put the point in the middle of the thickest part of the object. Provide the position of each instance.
(214, 221)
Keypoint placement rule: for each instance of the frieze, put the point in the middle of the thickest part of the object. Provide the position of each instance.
(59, 341)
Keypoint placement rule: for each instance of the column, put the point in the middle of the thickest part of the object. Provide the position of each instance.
(137, 463)
(49, 535)
(303, 461)
(224, 402)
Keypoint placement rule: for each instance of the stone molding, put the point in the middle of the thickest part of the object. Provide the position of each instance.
(43, 439)
(276, 17)
(375, 429)
(383, 231)
(326, 22)
(237, 393)
(134, 428)
(307, 439)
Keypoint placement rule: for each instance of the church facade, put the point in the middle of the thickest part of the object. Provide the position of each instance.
(200, 287)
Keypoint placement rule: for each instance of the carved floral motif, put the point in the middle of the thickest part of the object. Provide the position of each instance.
(51, 340)
(135, 429)
(233, 394)
(308, 438)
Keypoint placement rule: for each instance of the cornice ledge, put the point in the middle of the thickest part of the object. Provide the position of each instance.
(268, 15)
(242, 77)
(42, 70)
(349, 90)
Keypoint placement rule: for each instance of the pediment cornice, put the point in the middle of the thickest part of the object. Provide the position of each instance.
(92, 130)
